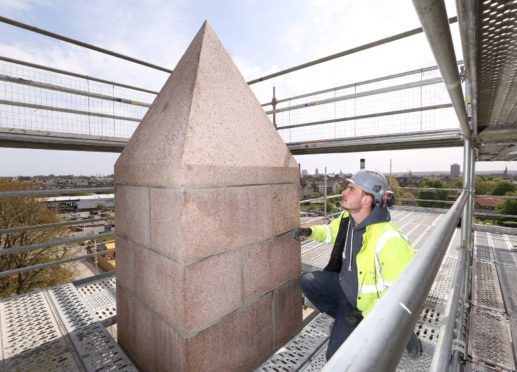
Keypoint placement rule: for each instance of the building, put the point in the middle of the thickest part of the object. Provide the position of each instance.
(455, 170)
(79, 203)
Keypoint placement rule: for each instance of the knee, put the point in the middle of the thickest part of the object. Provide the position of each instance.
(306, 281)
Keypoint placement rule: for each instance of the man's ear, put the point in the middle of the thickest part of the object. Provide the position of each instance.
(368, 201)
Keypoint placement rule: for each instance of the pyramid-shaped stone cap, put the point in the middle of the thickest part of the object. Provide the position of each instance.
(205, 128)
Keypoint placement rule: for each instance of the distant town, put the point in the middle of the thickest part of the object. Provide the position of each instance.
(63, 182)
(315, 183)
(49, 182)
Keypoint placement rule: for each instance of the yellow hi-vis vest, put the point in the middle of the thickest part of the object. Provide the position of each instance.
(384, 254)
(328, 233)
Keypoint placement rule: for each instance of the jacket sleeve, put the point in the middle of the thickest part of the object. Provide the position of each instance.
(394, 256)
(327, 233)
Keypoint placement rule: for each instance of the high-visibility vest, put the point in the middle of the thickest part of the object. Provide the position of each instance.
(384, 254)
(328, 233)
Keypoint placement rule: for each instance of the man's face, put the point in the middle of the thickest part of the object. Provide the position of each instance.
(354, 198)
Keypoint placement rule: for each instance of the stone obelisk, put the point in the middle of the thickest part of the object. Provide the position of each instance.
(205, 191)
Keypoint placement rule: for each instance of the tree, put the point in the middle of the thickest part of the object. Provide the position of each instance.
(502, 187)
(331, 207)
(408, 196)
(427, 195)
(26, 211)
(456, 183)
(314, 195)
(508, 206)
(395, 186)
(101, 207)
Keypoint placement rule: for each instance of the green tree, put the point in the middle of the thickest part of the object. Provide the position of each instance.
(456, 183)
(408, 197)
(427, 195)
(314, 195)
(331, 207)
(484, 187)
(508, 206)
(28, 211)
(502, 187)
(101, 207)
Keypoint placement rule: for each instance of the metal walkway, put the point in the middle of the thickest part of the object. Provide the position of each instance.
(493, 314)
(63, 328)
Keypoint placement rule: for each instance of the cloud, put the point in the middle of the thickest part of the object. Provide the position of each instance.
(13, 6)
(262, 37)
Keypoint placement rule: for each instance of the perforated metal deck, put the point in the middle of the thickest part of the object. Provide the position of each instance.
(311, 357)
(60, 329)
(489, 339)
(485, 286)
(492, 326)
(303, 349)
(494, 294)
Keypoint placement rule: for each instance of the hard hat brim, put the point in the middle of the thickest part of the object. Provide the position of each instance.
(351, 181)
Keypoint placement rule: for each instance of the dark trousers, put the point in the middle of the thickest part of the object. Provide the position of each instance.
(323, 290)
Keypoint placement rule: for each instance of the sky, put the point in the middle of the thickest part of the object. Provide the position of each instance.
(261, 36)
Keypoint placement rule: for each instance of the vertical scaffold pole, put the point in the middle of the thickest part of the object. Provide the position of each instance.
(325, 194)
(273, 103)
(468, 181)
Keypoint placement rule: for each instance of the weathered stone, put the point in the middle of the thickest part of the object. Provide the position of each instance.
(133, 223)
(212, 289)
(287, 309)
(126, 270)
(171, 348)
(205, 191)
(161, 286)
(166, 208)
(205, 128)
(136, 336)
(269, 264)
(285, 202)
(237, 343)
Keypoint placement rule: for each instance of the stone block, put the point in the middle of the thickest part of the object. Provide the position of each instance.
(171, 352)
(132, 214)
(135, 330)
(269, 264)
(239, 342)
(217, 220)
(257, 274)
(212, 289)
(287, 264)
(206, 94)
(166, 208)
(286, 210)
(126, 270)
(287, 308)
(204, 176)
(161, 287)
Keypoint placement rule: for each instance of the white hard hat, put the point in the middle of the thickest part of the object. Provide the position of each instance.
(372, 182)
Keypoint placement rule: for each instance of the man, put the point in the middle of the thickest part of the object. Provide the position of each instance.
(368, 255)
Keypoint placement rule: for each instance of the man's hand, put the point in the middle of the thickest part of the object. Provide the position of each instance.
(300, 231)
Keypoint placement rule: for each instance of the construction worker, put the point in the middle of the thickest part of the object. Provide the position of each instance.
(368, 255)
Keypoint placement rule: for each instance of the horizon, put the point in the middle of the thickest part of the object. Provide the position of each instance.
(509, 171)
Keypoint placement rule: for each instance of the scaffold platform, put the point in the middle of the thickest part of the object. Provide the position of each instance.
(64, 328)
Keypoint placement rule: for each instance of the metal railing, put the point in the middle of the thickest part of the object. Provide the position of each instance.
(55, 191)
(104, 112)
(379, 340)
